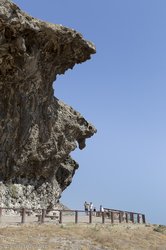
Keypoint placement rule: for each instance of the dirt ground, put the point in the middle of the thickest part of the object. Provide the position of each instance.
(82, 236)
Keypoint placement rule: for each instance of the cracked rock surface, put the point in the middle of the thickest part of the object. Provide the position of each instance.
(37, 131)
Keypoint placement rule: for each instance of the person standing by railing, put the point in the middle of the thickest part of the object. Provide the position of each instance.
(86, 207)
(91, 206)
(101, 210)
(94, 211)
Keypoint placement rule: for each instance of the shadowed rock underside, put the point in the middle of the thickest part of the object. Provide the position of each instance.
(37, 131)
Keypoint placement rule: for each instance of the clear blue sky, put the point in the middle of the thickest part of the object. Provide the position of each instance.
(122, 91)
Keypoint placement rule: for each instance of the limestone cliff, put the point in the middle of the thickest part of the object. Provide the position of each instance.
(37, 131)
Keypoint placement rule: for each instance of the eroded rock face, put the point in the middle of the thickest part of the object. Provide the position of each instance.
(37, 131)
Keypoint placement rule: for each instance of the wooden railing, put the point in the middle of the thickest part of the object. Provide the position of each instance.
(125, 215)
(108, 216)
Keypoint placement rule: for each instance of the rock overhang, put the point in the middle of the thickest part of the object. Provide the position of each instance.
(37, 130)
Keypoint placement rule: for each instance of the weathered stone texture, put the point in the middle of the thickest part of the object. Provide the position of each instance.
(37, 131)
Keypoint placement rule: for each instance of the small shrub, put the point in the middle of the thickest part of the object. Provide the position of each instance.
(160, 229)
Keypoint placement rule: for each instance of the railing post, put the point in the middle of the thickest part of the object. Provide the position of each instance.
(76, 217)
(132, 217)
(112, 217)
(120, 217)
(103, 217)
(43, 215)
(23, 215)
(127, 218)
(138, 218)
(60, 217)
(90, 216)
(0, 214)
(143, 219)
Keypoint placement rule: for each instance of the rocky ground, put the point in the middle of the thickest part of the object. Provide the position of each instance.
(83, 237)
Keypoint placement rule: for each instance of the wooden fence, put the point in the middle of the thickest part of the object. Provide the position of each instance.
(125, 216)
(78, 216)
